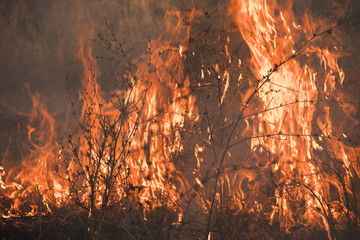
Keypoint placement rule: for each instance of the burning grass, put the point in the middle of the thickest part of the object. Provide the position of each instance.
(223, 130)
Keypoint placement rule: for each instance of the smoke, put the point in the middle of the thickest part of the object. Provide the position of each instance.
(39, 44)
(40, 39)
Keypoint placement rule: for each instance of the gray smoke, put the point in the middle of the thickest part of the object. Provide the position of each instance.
(39, 43)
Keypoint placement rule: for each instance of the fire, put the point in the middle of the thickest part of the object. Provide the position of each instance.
(131, 139)
(291, 98)
(123, 147)
(124, 143)
(37, 184)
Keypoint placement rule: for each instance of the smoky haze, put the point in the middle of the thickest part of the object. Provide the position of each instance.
(39, 44)
(39, 40)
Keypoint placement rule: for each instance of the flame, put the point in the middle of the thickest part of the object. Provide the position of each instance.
(291, 98)
(125, 144)
(35, 185)
(147, 117)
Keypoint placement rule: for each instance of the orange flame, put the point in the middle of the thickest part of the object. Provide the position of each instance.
(37, 181)
(148, 117)
(290, 99)
(125, 144)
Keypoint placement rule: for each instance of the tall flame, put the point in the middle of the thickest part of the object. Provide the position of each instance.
(145, 117)
(37, 184)
(125, 144)
(291, 98)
